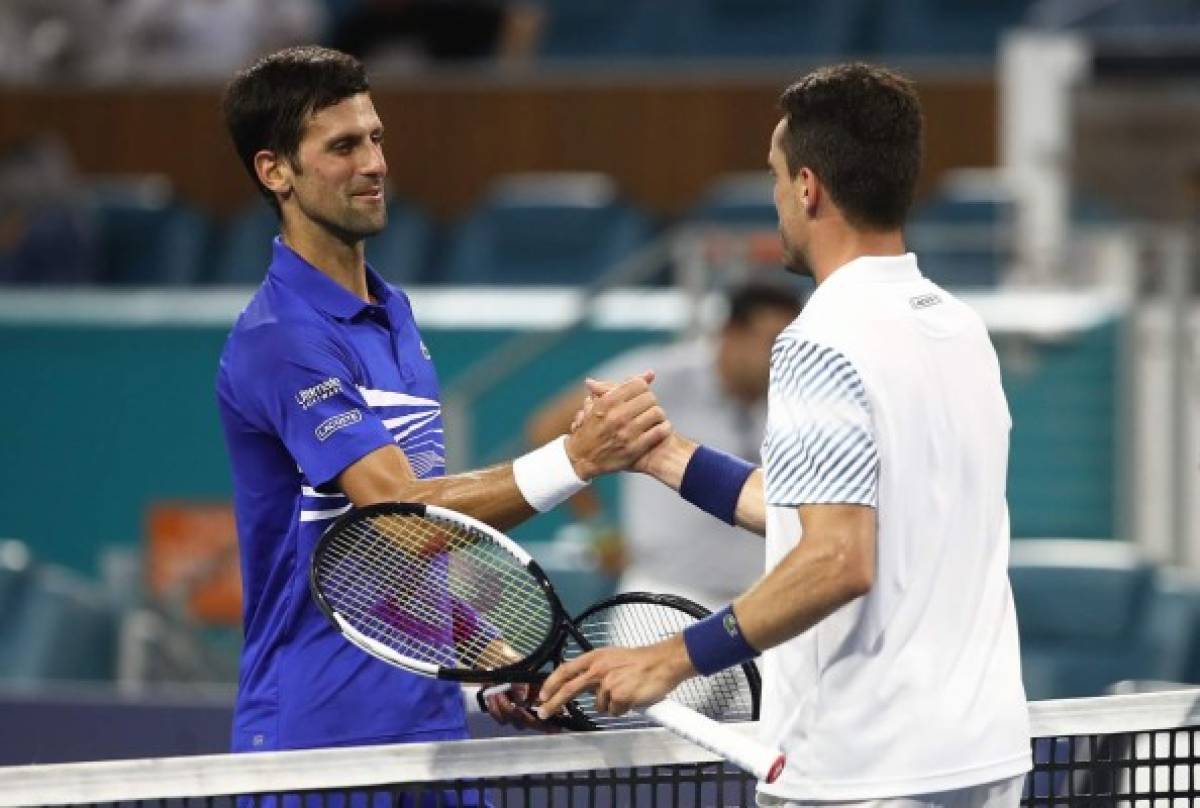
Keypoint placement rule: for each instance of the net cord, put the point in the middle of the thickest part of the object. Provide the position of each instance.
(215, 775)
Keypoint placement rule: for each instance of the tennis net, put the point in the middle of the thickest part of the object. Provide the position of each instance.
(1134, 751)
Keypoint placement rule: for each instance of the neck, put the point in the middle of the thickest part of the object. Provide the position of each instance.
(836, 244)
(344, 263)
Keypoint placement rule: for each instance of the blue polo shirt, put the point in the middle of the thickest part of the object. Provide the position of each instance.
(311, 380)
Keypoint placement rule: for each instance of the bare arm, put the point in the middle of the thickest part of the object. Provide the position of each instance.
(490, 495)
(667, 462)
(832, 566)
(624, 423)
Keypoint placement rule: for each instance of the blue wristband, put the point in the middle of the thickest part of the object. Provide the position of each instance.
(716, 643)
(713, 482)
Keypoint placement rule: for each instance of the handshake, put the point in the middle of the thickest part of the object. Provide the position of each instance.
(620, 427)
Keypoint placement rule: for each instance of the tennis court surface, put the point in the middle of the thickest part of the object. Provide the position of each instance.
(1136, 751)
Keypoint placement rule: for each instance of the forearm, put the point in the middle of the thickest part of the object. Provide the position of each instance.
(490, 495)
(669, 462)
(819, 576)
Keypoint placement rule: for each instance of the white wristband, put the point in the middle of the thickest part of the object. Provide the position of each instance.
(546, 476)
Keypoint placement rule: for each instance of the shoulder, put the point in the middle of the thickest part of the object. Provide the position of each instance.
(269, 333)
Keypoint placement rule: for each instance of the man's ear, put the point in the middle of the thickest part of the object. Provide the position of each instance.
(808, 191)
(274, 171)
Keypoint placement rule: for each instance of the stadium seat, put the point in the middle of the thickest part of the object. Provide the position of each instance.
(64, 630)
(545, 229)
(962, 234)
(1173, 627)
(15, 572)
(399, 253)
(600, 29)
(940, 28)
(146, 236)
(711, 29)
(246, 247)
(738, 199)
(1082, 611)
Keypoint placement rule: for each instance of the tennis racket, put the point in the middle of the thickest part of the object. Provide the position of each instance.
(443, 595)
(634, 619)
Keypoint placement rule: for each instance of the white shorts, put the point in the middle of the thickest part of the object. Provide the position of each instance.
(1000, 794)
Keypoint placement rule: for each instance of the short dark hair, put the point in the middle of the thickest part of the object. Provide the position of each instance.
(747, 301)
(857, 127)
(266, 104)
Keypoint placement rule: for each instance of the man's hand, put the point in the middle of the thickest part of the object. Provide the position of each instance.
(512, 706)
(663, 455)
(623, 678)
(618, 427)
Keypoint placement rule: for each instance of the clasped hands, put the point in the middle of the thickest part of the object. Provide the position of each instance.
(616, 427)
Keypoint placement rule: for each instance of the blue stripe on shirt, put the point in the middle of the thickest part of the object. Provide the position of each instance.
(820, 445)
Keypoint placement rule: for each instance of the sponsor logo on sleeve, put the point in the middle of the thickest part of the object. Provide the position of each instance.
(424, 350)
(339, 421)
(311, 396)
(924, 301)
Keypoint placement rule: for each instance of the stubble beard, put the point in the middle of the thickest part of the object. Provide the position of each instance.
(793, 260)
(349, 225)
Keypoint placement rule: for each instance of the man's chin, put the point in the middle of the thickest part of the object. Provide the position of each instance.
(365, 228)
(796, 265)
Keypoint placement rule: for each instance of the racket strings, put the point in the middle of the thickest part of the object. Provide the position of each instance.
(435, 591)
(725, 696)
(414, 606)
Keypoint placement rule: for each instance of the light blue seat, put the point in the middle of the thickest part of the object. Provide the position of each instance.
(1173, 628)
(147, 237)
(545, 229)
(1082, 610)
(756, 29)
(940, 28)
(742, 199)
(962, 234)
(604, 29)
(245, 250)
(65, 629)
(16, 569)
(399, 253)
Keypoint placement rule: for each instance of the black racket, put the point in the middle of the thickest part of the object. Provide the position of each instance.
(634, 619)
(442, 594)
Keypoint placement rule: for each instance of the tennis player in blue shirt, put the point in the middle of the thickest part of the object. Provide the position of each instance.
(328, 399)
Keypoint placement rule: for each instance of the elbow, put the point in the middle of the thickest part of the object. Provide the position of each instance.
(858, 582)
(856, 570)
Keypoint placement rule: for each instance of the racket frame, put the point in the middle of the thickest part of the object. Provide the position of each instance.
(524, 671)
(678, 602)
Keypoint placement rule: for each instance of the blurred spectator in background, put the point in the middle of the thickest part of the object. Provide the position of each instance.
(147, 40)
(386, 33)
(49, 39)
(716, 388)
(159, 40)
(46, 232)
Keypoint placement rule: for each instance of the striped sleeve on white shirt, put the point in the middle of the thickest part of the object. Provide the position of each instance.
(820, 441)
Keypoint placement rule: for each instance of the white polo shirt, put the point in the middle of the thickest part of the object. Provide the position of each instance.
(886, 392)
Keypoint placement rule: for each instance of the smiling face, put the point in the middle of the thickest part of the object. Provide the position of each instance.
(336, 179)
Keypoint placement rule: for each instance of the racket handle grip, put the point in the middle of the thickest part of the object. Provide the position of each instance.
(759, 759)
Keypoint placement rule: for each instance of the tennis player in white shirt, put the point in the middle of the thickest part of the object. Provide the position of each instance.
(885, 619)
